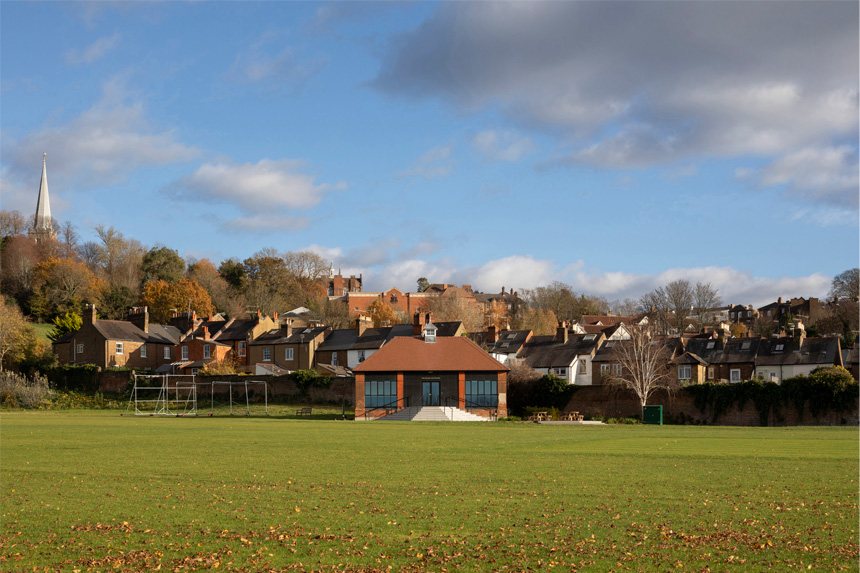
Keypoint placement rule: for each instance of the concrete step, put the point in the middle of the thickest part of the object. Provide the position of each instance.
(433, 414)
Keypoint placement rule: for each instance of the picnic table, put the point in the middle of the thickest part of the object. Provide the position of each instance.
(539, 416)
(572, 416)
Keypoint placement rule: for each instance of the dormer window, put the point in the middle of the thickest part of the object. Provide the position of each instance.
(710, 345)
(778, 347)
(430, 333)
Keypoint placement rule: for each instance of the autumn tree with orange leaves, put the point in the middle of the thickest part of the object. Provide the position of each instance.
(164, 298)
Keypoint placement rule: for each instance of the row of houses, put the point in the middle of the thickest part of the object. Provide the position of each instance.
(579, 353)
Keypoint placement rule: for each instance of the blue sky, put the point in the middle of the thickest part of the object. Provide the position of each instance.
(612, 146)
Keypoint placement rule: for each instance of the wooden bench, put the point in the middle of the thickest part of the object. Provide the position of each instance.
(303, 412)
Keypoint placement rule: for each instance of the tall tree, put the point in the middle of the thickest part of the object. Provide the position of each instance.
(164, 298)
(12, 223)
(20, 257)
(63, 285)
(705, 299)
(423, 283)
(15, 333)
(644, 360)
(268, 285)
(161, 263)
(118, 258)
(381, 314)
(540, 321)
(68, 241)
(333, 313)
(846, 285)
(224, 297)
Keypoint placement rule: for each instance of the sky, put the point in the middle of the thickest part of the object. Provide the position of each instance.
(612, 146)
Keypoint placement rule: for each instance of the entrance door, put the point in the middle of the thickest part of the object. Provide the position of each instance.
(430, 393)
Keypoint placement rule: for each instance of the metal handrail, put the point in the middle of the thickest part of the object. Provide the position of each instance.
(472, 405)
(394, 403)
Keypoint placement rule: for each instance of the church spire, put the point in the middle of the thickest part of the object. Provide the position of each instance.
(43, 225)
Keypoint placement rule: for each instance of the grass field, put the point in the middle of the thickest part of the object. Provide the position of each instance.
(96, 491)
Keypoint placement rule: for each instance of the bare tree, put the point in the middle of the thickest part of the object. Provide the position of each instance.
(705, 300)
(644, 363)
(12, 223)
(846, 285)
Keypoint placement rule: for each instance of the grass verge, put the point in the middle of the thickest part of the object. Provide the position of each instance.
(96, 491)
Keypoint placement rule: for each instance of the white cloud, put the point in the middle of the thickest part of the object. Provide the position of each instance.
(734, 286)
(828, 174)
(434, 164)
(763, 78)
(263, 186)
(504, 146)
(103, 145)
(268, 60)
(96, 51)
(265, 222)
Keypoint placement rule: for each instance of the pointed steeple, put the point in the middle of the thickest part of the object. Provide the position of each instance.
(43, 226)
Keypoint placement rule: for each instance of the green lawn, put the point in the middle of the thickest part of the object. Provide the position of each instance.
(97, 491)
(42, 331)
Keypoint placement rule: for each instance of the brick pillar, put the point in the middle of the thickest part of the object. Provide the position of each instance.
(461, 390)
(503, 394)
(359, 395)
(400, 394)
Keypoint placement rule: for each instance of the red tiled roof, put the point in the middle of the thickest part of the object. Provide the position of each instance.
(406, 354)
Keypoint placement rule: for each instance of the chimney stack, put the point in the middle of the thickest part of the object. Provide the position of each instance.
(360, 325)
(90, 314)
(561, 332)
(491, 334)
(139, 316)
(799, 335)
(205, 332)
(417, 324)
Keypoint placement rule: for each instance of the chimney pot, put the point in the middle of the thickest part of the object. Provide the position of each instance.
(491, 334)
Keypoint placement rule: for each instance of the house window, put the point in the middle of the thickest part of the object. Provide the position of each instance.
(119, 347)
(194, 371)
(185, 353)
(343, 293)
(361, 355)
(334, 359)
(80, 348)
(684, 372)
(267, 355)
(616, 369)
(733, 315)
(379, 393)
(768, 313)
(481, 393)
(207, 351)
(288, 354)
(583, 367)
(735, 375)
(604, 369)
(241, 348)
(355, 309)
(778, 347)
(710, 345)
(143, 351)
(562, 372)
(167, 353)
(710, 372)
(749, 313)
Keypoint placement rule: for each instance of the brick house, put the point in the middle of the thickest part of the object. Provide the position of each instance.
(429, 371)
(195, 352)
(133, 343)
(237, 334)
(568, 356)
(287, 348)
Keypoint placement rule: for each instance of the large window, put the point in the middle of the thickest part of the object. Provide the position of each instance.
(735, 375)
(207, 352)
(267, 355)
(185, 353)
(288, 353)
(379, 393)
(481, 393)
(684, 372)
(167, 353)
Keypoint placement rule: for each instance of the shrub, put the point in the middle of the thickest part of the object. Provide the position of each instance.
(19, 391)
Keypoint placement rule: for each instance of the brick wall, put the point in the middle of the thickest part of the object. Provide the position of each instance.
(616, 402)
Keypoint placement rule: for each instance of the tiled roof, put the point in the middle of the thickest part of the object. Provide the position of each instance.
(237, 330)
(547, 352)
(412, 354)
(120, 330)
(298, 336)
(607, 320)
(163, 334)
